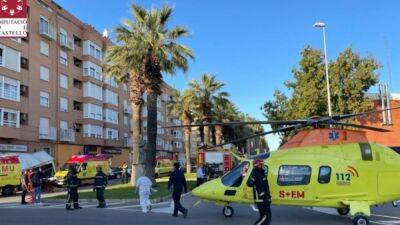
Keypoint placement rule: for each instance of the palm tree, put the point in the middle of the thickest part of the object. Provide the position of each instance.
(223, 111)
(121, 62)
(180, 106)
(153, 48)
(205, 93)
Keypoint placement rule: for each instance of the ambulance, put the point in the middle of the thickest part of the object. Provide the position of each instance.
(86, 167)
(10, 174)
(164, 167)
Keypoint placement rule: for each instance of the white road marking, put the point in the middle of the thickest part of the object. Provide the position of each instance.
(384, 216)
(134, 206)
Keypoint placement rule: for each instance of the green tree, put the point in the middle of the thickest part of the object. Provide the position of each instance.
(205, 93)
(180, 106)
(351, 76)
(153, 47)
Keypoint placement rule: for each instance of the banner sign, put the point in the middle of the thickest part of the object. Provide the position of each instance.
(111, 151)
(13, 148)
(13, 18)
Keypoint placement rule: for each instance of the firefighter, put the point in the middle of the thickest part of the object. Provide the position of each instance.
(178, 181)
(72, 183)
(100, 183)
(262, 198)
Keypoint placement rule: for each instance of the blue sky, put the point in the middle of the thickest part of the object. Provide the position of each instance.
(253, 45)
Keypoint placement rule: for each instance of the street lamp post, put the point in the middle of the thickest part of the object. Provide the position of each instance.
(322, 25)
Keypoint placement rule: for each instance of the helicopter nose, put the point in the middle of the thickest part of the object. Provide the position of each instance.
(205, 190)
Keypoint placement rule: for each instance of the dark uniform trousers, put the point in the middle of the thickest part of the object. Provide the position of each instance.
(72, 197)
(264, 209)
(100, 196)
(176, 196)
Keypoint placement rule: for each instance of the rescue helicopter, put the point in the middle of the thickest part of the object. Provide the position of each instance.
(326, 166)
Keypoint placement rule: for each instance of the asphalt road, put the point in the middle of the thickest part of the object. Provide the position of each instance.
(120, 213)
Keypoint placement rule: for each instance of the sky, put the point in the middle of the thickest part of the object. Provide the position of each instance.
(252, 46)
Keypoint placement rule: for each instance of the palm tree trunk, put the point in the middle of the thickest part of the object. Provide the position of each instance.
(207, 135)
(218, 134)
(135, 140)
(187, 150)
(151, 147)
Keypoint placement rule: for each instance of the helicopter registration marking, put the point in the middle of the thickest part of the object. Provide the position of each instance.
(291, 194)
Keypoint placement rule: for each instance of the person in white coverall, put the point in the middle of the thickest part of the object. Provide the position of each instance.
(144, 185)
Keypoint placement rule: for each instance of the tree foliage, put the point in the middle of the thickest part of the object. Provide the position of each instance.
(351, 76)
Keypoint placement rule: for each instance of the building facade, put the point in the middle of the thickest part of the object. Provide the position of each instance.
(53, 94)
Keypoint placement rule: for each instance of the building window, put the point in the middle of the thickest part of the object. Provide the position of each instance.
(112, 81)
(294, 175)
(9, 88)
(111, 116)
(63, 125)
(44, 73)
(63, 104)
(9, 118)
(92, 90)
(24, 63)
(63, 81)
(44, 99)
(63, 58)
(10, 58)
(93, 131)
(111, 134)
(92, 70)
(90, 48)
(92, 111)
(44, 48)
(110, 97)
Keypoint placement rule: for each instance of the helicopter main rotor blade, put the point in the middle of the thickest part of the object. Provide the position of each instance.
(238, 123)
(284, 129)
(361, 126)
(346, 116)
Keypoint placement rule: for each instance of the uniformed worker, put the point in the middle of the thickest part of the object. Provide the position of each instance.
(262, 198)
(100, 183)
(178, 181)
(72, 184)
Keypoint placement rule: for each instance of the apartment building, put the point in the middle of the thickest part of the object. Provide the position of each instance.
(169, 141)
(53, 94)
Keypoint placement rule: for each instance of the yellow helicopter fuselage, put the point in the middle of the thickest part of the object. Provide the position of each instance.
(353, 175)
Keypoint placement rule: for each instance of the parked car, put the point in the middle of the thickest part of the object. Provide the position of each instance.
(115, 173)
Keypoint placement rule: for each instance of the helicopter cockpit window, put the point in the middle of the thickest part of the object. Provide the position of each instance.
(235, 177)
(366, 151)
(324, 176)
(294, 175)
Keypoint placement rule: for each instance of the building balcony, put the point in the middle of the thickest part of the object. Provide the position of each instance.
(67, 43)
(92, 139)
(67, 135)
(47, 31)
(48, 133)
(10, 132)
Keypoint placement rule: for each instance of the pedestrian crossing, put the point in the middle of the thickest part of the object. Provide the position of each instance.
(162, 207)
